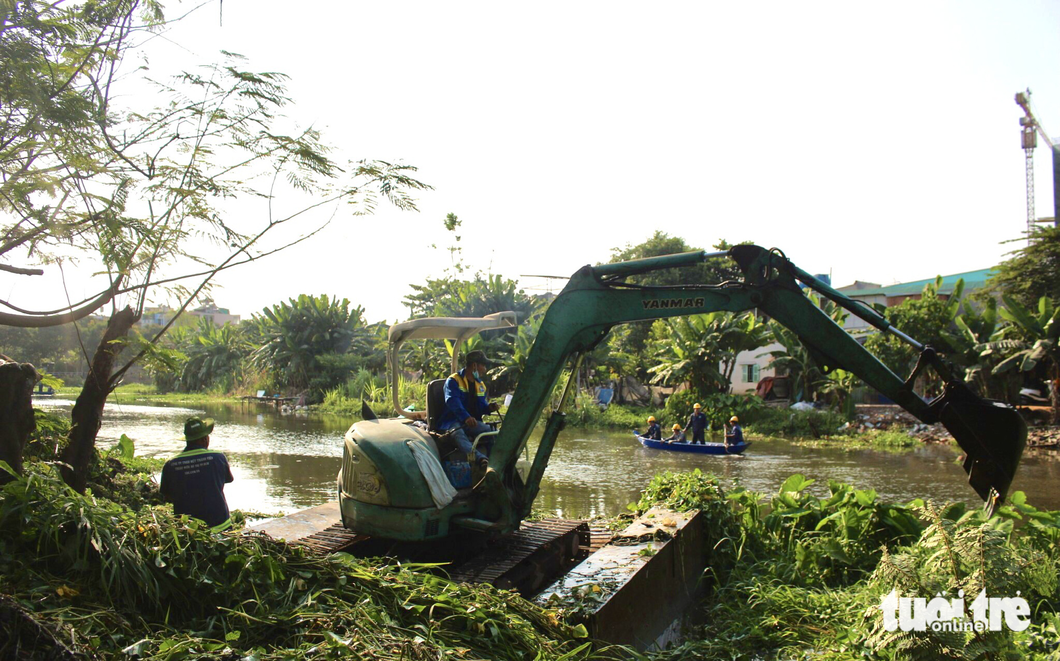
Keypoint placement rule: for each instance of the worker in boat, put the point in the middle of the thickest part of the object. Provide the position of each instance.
(194, 480)
(733, 434)
(677, 436)
(697, 422)
(654, 432)
(465, 404)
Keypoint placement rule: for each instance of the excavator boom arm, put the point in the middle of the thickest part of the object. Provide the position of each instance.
(598, 298)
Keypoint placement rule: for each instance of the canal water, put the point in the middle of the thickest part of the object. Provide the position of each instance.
(283, 463)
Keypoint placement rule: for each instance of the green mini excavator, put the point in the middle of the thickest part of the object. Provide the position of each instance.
(385, 483)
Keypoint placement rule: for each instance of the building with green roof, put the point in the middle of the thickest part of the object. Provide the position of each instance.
(892, 295)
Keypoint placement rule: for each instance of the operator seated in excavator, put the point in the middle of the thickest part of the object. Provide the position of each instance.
(465, 404)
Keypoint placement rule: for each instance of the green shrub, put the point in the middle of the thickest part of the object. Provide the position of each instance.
(806, 573)
(887, 438)
(788, 423)
(47, 441)
(586, 413)
(719, 407)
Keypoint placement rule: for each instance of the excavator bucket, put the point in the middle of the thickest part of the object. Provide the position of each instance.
(992, 435)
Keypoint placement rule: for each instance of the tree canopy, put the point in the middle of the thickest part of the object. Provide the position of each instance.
(1033, 271)
(142, 194)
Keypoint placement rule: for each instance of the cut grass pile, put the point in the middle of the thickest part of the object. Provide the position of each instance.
(82, 575)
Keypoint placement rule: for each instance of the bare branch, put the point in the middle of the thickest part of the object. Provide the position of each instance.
(21, 271)
(26, 321)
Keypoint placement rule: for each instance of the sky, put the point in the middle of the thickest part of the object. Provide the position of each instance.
(871, 141)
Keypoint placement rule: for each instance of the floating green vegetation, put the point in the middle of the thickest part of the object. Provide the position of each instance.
(83, 575)
(797, 576)
(887, 440)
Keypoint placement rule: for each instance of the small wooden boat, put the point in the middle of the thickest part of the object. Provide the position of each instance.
(43, 391)
(709, 448)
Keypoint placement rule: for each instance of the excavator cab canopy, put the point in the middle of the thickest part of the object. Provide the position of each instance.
(456, 329)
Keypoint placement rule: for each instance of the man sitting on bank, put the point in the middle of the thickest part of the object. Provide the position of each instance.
(465, 404)
(194, 480)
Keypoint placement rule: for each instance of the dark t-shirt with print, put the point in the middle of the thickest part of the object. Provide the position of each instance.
(194, 482)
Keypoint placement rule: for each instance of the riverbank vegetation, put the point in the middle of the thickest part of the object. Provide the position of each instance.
(799, 573)
(86, 576)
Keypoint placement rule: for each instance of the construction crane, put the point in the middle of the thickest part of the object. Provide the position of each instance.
(1029, 140)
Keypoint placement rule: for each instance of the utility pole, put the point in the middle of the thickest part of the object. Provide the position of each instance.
(1029, 140)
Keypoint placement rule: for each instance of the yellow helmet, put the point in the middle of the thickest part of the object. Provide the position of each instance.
(734, 419)
(651, 418)
(677, 427)
(696, 406)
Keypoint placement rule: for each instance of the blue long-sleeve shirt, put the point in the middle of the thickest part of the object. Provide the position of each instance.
(697, 422)
(458, 398)
(735, 435)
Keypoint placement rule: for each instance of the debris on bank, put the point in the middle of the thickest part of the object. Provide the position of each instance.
(895, 419)
(886, 418)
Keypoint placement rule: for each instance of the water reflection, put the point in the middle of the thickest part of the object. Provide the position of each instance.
(285, 463)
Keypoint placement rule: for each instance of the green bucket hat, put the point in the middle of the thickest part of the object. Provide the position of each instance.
(196, 428)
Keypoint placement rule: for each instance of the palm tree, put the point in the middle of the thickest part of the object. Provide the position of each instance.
(214, 355)
(296, 334)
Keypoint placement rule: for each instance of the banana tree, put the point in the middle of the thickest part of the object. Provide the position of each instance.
(796, 361)
(840, 385)
(1035, 340)
(978, 347)
(702, 348)
(511, 365)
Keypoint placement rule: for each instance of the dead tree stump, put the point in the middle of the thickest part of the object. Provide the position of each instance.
(16, 412)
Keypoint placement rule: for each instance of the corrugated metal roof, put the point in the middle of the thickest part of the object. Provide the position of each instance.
(972, 280)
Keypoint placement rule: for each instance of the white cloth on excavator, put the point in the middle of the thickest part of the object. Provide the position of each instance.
(442, 491)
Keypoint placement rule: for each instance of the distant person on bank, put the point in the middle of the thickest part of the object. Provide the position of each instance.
(194, 480)
(697, 422)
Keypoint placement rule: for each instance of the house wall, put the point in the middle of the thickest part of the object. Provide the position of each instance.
(759, 357)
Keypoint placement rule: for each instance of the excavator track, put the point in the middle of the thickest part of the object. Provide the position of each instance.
(527, 560)
(332, 539)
